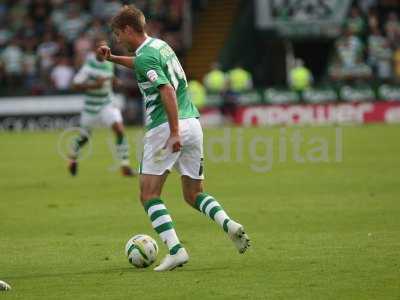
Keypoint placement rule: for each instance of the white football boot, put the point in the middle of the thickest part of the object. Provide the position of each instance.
(239, 238)
(170, 262)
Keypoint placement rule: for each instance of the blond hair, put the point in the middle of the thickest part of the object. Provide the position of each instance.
(129, 15)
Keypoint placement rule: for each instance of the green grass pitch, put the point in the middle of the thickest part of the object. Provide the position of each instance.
(327, 230)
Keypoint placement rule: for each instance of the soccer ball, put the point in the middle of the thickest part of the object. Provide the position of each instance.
(141, 250)
(4, 286)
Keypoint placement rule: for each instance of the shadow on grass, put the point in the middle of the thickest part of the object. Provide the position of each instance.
(120, 271)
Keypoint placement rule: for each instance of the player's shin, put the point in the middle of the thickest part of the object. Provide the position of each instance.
(210, 207)
(122, 148)
(162, 224)
(77, 144)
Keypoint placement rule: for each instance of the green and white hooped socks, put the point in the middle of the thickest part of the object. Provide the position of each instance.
(211, 208)
(122, 148)
(162, 224)
(78, 142)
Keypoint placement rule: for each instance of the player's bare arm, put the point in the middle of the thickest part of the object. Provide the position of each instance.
(168, 98)
(126, 61)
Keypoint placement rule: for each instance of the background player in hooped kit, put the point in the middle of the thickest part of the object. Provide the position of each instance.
(173, 138)
(96, 78)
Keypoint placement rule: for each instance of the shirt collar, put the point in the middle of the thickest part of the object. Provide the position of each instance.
(143, 44)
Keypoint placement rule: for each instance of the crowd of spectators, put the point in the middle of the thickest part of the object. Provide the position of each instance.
(44, 42)
(369, 48)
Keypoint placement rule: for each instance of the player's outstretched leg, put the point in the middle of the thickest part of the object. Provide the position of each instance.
(205, 203)
(76, 146)
(122, 147)
(210, 207)
(163, 225)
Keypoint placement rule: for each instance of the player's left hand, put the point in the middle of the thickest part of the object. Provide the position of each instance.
(174, 142)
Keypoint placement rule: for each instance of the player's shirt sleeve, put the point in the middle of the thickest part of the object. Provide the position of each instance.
(82, 75)
(149, 67)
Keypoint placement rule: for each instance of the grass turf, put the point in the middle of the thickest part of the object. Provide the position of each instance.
(327, 230)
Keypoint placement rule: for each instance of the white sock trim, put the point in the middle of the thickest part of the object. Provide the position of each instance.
(220, 217)
(155, 208)
(169, 237)
(161, 220)
(204, 201)
(210, 206)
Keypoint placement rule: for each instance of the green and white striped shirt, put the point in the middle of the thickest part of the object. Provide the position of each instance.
(156, 64)
(91, 70)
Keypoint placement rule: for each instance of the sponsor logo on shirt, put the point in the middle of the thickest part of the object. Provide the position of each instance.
(152, 75)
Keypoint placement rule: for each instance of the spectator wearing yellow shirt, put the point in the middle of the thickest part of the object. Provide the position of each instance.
(215, 81)
(198, 93)
(239, 80)
(300, 77)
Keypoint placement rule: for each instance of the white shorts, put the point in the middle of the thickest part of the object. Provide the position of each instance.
(188, 161)
(107, 116)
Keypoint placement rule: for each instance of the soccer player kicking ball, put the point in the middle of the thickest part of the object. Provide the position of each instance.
(173, 137)
(95, 79)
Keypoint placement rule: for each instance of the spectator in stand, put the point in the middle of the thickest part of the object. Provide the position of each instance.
(82, 47)
(105, 9)
(62, 74)
(396, 65)
(74, 23)
(380, 55)
(39, 11)
(96, 7)
(30, 66)
(12, 60)
(28, 30)
(373, 20)
(19, 14)
(392, 30)
(300, 78)
(350, 48)
(58, 13)
(55, 28)
(96, 28)
(366, 5)
(215, 80)
(349, 64)
(240, 80)
(46, 52)
(375, 44)
(385, 60)
(197, 93)
(63, 47)
(110, 9)
(355, 23)
(5, 34)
